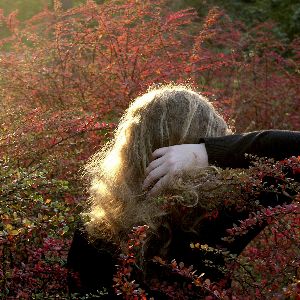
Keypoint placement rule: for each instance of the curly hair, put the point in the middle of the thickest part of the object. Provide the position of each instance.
(165, 116)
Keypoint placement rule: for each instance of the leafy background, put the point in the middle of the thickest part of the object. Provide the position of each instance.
(67, 72)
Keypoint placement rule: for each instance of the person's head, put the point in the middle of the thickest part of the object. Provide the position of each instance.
(162, 117)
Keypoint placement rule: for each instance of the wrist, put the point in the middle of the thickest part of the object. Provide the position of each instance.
(201, 155)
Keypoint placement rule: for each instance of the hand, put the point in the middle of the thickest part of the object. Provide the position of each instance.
(169, 161)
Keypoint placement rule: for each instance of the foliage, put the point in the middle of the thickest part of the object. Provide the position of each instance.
(247, 72)
(66, 79)
(26, 9)
(34, 220)
(98, 52)
(285, 13)
(257, 273)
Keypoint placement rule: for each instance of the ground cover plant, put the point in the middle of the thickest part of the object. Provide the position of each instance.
(66, 77)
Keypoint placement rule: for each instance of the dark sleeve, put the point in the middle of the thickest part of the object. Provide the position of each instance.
(229, 151)
(90, 267)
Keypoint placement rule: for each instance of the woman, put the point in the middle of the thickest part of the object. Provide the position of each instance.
(159, 119)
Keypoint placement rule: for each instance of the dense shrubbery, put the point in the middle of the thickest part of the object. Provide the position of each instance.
(64, 83)
(257, 273)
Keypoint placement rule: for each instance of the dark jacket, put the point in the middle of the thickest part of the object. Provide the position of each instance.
(95, 263)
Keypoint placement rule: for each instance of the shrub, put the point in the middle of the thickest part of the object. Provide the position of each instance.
(258, 272)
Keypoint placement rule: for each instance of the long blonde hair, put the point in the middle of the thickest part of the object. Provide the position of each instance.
(165, 116)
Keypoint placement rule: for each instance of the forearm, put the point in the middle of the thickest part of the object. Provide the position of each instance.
(225, 152)
(229, 151)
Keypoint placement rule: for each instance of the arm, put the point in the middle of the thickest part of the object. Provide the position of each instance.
(227, 151)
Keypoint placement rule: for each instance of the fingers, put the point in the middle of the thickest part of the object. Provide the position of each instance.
(154, 175)
(160, 152)
(154, 164)
(158, 187)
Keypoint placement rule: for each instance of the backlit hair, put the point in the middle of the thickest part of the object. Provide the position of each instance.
(162, 117)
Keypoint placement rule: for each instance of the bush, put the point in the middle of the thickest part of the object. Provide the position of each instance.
(258, 272)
